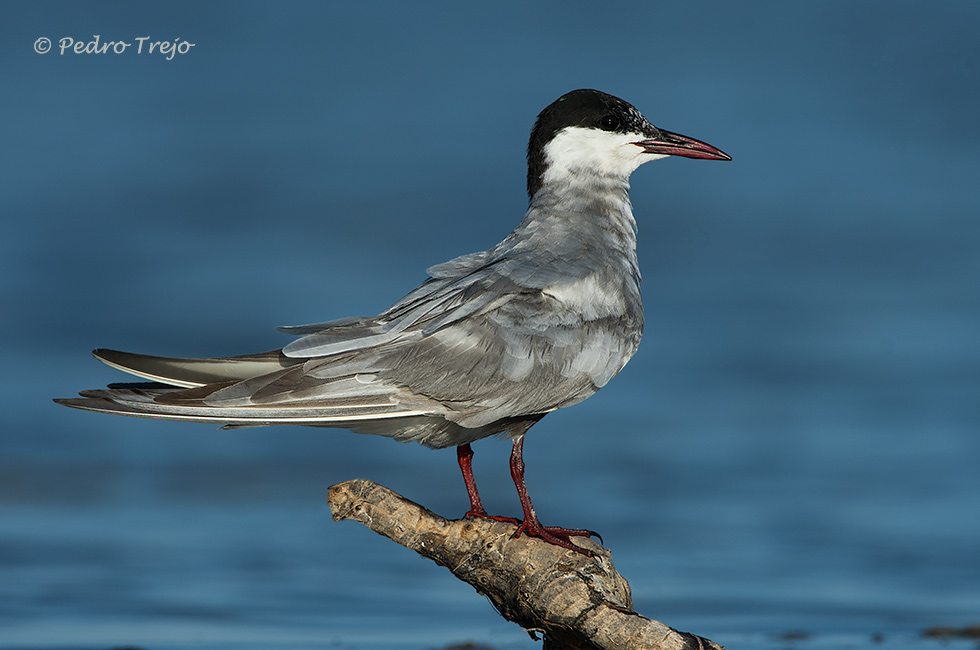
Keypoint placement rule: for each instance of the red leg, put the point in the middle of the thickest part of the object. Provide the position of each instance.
(531, 525)
(464, 454)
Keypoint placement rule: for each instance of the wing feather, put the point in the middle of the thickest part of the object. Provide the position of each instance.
(193, 372)
(490, 341)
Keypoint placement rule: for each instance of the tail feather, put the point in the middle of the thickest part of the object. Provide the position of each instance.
(191, 373)
(149, 401)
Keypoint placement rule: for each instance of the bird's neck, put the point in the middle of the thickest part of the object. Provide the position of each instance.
(592, 208)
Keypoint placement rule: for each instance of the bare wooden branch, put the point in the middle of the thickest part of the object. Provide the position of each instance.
(577, 602)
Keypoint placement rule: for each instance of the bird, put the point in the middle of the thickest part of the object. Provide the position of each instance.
(487, 345)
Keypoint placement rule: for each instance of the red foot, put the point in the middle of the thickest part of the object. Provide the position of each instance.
(470, 514)
(557, 536)
(551, 534)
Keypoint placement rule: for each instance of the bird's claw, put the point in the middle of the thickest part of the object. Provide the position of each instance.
(558, 536)
(482, 514)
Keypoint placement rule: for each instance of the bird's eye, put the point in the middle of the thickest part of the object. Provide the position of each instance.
(609, 123)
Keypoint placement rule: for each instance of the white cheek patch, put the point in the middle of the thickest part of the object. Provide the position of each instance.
(575, 149)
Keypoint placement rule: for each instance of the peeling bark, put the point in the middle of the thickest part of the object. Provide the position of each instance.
(576, 602)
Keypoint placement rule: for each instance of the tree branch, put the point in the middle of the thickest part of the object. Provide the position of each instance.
(577, 602)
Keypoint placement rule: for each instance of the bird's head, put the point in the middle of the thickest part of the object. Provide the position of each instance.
(591, 133)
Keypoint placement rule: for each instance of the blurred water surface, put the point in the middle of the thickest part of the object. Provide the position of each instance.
(795, 447)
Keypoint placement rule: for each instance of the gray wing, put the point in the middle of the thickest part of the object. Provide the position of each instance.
(490, 338)
(485, 343)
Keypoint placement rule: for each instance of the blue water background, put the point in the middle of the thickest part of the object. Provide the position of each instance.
(795, 447)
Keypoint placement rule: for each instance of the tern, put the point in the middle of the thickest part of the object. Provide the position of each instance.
(488, 345)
